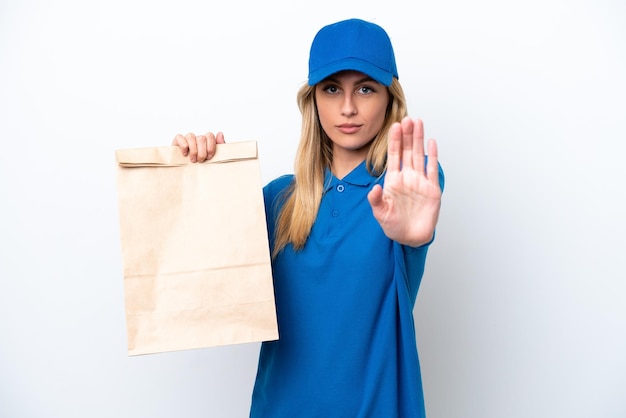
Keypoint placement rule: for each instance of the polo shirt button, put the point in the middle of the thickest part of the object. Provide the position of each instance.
(335, 213)
(340, 188)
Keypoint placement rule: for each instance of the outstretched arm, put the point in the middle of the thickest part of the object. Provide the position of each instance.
(407, 207)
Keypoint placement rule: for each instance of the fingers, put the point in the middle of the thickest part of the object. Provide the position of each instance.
(211, 142)
(406, 145)
(394, 145)
(405, 149)
(432, 168)
(198, 148)
(192, 143)
(417, 145)
(181, 143)
(407, 125)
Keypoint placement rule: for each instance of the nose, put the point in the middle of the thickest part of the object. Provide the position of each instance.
(348, 107)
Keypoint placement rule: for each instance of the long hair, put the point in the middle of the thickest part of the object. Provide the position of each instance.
(313, 156)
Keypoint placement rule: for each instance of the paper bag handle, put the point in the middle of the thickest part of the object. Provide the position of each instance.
(172, 156)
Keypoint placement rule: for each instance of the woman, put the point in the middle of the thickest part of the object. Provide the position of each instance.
(349, 233)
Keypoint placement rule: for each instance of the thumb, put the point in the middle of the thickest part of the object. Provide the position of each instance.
(375, 197)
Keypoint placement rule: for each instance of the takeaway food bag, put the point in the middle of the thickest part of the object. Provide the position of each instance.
(196, 261)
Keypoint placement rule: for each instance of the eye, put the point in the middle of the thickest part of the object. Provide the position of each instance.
(365, 90)
(331, 89)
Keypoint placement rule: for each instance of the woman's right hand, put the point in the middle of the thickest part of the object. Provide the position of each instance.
(198, 148)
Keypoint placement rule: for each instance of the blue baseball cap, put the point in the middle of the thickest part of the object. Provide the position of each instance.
(352, 44)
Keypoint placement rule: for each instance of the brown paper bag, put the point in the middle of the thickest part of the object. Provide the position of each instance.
(195, 250)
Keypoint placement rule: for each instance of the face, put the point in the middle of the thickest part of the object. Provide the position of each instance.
(351, 108)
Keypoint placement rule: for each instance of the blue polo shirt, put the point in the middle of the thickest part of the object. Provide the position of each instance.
(345, 314)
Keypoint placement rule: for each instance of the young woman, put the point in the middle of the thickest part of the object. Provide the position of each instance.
(349, 232)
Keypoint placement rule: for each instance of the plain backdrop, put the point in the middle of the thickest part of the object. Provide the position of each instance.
(522, 308)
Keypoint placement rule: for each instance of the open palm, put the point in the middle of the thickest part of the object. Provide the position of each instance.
(407, 206)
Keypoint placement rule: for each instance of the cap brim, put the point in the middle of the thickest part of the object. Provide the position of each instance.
(353, 64)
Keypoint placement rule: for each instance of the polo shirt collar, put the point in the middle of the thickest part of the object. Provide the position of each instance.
(359, 176)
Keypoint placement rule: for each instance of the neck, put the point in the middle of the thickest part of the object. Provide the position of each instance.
(345, 161)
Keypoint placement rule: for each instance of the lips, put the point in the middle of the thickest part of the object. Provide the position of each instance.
(348, 128)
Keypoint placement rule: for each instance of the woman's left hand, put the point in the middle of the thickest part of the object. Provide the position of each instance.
(407, 207)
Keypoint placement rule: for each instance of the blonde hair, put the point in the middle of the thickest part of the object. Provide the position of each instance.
(313, 156)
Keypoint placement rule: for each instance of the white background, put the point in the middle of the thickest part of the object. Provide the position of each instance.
(521, 312)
